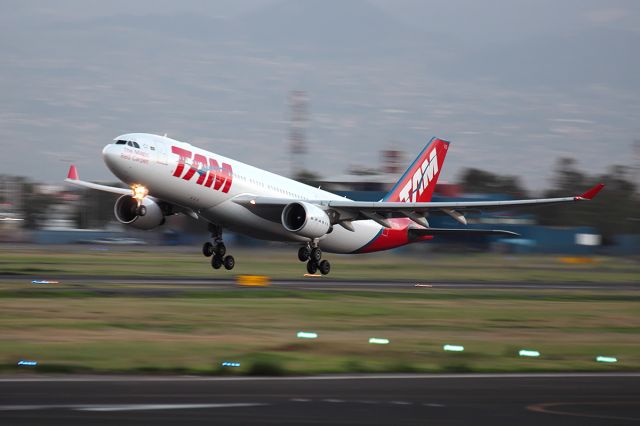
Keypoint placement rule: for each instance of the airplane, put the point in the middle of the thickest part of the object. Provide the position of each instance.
(166, 177)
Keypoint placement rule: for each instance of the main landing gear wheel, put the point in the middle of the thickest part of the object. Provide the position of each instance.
(316, 254)
(312, 267)
(304, 253)
(220, 249)
(229, 262)
(207, 249)
(324, 267)
(216, 262)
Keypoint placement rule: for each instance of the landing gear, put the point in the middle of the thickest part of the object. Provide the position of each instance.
(313, 257)
(316, 254)
(304, 253)
(312, 267)
(216, 262)
(208, 249)
(217, 250)
(229, 262)
(324, 267)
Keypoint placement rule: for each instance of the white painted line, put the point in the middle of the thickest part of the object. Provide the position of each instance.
(124, 407)
(401, 403)
(431, 404)
(299, 400)
(153, 407)
(333, 400)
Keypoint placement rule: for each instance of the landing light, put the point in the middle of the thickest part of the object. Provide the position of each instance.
(606, 359)
(252, 202)
(453, 348)
(139, 192)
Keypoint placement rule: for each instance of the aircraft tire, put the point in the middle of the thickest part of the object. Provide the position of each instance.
(316, 254)
(207, 249)
(220, 249)
(216, 262)
(325, 267)
(312, 267)
(304, 253)
(229, 262)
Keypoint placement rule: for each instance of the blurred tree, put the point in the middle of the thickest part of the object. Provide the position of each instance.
(35, 209)
(614, 211)
(480, 181)
(308, 177)
(95, 208)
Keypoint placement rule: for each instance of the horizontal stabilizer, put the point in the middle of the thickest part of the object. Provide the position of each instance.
(457, 232)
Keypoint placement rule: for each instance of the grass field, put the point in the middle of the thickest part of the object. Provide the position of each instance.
(80, 329)
(51, 261)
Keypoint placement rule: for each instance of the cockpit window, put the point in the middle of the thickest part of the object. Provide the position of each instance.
(136, 145)
(129, 143)
(121, 142)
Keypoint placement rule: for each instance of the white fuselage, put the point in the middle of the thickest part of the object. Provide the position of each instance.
(206, 183)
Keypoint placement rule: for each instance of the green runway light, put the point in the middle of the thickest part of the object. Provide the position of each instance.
(378, 341)
(453, 348)
(307, 335)
(601, 358)
(529, 353)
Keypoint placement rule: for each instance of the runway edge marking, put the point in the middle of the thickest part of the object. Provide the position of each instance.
(312, 378)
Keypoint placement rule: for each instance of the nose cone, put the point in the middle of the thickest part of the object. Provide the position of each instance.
(110, 156)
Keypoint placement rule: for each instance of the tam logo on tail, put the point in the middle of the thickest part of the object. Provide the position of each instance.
(419, 180)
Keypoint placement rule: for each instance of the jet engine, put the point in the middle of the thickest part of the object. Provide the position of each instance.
(307, 220)
(147, 215)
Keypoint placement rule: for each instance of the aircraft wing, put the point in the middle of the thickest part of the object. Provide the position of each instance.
(73, 178)
(344, 211)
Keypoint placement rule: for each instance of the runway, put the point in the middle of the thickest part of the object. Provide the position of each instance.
(183, 284)
(523, 399)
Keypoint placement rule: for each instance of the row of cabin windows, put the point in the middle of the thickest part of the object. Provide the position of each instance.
(128, 143)
(273, 188)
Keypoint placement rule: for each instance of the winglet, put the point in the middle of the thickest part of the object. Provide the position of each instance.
(73, 173)
(590, 194)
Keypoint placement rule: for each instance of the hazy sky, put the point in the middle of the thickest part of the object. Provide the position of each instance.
(514, 85)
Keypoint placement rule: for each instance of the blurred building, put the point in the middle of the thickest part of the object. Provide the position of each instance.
(12, 208)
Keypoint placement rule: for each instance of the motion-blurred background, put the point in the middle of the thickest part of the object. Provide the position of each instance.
(538, 98)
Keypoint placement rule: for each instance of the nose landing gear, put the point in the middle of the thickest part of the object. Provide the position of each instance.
(217, 250)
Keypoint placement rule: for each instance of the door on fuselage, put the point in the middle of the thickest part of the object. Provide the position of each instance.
(162, 157)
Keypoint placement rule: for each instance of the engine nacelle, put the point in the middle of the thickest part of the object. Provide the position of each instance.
(126, 211)
(305, 219)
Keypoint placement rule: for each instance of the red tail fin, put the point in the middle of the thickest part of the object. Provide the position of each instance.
(419, 180)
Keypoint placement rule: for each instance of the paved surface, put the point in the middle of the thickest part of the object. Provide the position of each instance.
(179, 284)
(522, 399)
